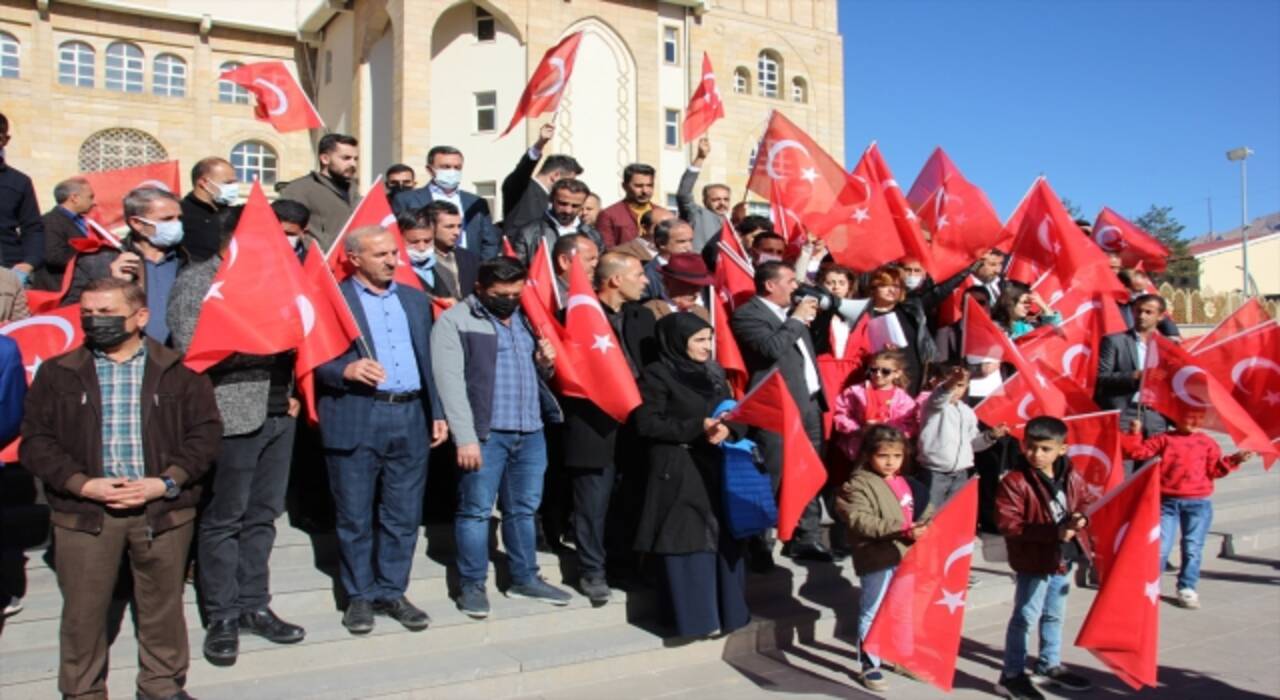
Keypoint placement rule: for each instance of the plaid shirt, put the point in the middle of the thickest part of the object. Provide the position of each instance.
(515, 379)
(121, 387)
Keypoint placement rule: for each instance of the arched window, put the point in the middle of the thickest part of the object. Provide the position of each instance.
(741, 80)
(768, 73)
(799, 90)
(230, 92)
(75, 64)
(10, 56)
(124, 67)
(119, 148)
(254, 160)
(169, 76)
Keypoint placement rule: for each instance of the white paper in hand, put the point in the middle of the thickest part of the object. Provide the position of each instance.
(886, 330)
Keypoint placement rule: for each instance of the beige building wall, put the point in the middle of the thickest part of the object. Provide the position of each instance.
(614, 106)
(1220, 269)
(50, 121)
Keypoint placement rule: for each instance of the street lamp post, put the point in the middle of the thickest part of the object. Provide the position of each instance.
(1242, 154)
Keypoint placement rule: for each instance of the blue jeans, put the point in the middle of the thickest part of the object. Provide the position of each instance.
(391, 464)
(873, 587)
(1037, 601)
(511, 469)
(1193, 515)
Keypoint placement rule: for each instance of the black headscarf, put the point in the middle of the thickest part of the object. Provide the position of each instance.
(674, 331)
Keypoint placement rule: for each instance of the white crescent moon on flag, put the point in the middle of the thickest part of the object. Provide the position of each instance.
(1070, 355)
(1081, 310)
(959, 553)
(1042, 235)
(1109, 239)
(387, 221)
(282, 102)
(1115, 546)
(58, 322)
(1249, 363)
(307, 312)
(558, 64)
(1022, 407)
(1091, 451)
(779, 147)
(233, 251)
(583, 300)
(1179, 383)
(866, 186)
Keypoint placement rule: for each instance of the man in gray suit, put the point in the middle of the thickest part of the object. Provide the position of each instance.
(1121, 357)
(237, 527)
(707, 218)
(771, 332)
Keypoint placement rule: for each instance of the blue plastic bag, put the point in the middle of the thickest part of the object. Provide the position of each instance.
(749, 505)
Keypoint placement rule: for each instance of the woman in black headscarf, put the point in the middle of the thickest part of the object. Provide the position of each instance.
(681, 521)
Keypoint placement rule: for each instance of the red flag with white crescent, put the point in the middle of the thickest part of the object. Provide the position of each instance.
(373, 210)
(281, 100)
(110, 187)
(546, 85)
(1248, 363)
(734, 273)
(334, 331)
(1115, 234)
(40, 338)
(594, 348)
(705, 105)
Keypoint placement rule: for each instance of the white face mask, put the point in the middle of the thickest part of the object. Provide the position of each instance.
(767, 257)
(293, 241)
(421, 257)
(448, 179)
(913, 281)
(228, 193)
(168, 233)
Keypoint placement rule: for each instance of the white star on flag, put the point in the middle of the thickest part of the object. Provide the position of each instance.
(860, 214)
(911, 215)
(809, 174)
(942, 222)
(215, 291)
(951, 600)
(1272, 398)
(1152, 590)
(603, 343)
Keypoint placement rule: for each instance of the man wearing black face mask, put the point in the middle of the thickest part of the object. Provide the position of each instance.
(398, 178)
(123, 466)
(490, 370)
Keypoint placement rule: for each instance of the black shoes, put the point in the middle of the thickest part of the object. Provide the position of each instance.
(358, 619)
(402, 611)
(809, 551)
(222, 642)
(180, 695)
(596, 589)
(265, 624)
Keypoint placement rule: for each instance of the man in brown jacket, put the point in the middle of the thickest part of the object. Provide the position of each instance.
(121, 433)
(329, 192)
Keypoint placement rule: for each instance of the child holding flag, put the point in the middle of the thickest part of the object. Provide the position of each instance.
(1040, 510)
(878, 506)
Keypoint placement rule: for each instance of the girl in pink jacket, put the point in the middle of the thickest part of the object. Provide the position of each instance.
(880, 400)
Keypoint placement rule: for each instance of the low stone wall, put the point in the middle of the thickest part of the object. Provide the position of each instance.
(1191, 306)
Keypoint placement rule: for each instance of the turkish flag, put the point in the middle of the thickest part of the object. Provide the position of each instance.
(1251, 313)
(1177, 384)
(537, 307)
(960, 218)
(548, 81)
(734, 274)
(859, 228)
(1122, 627)
(933, 175)
(1249, 364)
(110, 187)
(598, 360)
(1071, 347)
(1115, 234)
(542, 279)
(905, 221)
(1052, 255)
(281, 100)
(705, 105)
(1022, 397)
(334, 330)
(782, 212)
(1093, 446)
(769, 406)
(41, 338)
(373, 210)
(95, 239)
(727, 352)
(922, 613)
(259, 303)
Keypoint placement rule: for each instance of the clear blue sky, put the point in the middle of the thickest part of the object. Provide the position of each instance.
(1124, 103)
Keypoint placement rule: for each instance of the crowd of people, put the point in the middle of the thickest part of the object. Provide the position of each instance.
(145, 461)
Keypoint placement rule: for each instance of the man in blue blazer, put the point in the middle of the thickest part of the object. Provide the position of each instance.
(444, 164)
(376, 402)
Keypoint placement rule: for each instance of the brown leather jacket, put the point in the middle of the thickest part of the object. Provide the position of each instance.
(62, 435)
(1025, 520)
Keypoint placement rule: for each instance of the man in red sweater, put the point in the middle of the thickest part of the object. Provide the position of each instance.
(620, 222)
(1189, 462)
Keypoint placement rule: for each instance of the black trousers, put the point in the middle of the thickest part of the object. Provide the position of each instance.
(592, 489)
(238, 527)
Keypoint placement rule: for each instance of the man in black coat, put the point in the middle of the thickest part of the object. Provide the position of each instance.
(771, 332)
(21, 231)
(562, 217)
(73, 199)
(1121, 357)
(525, 196)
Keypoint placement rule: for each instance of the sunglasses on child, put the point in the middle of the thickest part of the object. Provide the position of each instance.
(882, 371)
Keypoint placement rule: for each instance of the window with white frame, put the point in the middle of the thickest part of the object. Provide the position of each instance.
(486, 25)
(488, 191)
(110, 149)
(228, 91)
(254, 160)
(75, 64)
(799, 90)
(671, 128)
(124, 67)
(670, 45)
(751, 159)
(169, 76)
(486, 111)
(10, 56)
(768, 73)
(741, 81)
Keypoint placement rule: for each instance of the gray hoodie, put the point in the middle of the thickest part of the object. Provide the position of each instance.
(949, 434)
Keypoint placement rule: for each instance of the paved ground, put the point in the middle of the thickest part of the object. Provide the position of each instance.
(1228, 649)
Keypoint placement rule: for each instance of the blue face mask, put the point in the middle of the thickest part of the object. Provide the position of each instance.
(168, 233)
(448, 179)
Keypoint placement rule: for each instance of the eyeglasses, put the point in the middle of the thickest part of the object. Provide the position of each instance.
(881, 371)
